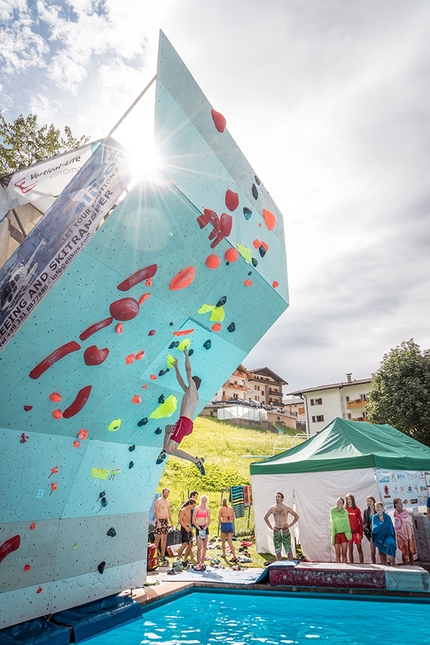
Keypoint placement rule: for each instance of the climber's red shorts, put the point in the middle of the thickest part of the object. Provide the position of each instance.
(182, 428)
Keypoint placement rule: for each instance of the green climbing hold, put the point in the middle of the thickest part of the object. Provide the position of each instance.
(183, 344)
(170, 361)
(217, 315)
(166, 409)
(245, 253)
(114, 425)
(204, 309)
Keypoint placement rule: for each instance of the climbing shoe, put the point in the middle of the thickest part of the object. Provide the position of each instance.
(200, 467)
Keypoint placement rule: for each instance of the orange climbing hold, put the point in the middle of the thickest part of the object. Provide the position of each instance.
(76, 444)
(148, 282)
(265, 246)
(144, 297)
(213, 261)
(140, 355)
(55, 397)
(256, 244)
(32, 526)
(231, 255)
(153, 377)
(57, 414)
(269, 218)
(183, 332)
(119, 328)
(216, 327)
(248, 283)
(54, 486)
(275, 284)
(219, 121)
(136, 399)
(144, 386)
(82, 434)
(183, 279)
(129, 359)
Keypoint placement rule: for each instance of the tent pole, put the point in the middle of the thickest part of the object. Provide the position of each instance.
(132, 106)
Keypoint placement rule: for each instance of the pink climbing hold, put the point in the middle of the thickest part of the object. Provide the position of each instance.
(12, 544)
(231, 200)
(219, 121)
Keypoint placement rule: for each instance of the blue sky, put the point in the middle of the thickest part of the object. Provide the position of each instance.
(328, 100)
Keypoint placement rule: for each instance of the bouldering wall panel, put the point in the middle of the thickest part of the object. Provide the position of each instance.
(194, 255)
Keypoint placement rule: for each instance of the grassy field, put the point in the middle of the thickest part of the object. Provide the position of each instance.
(228, 451)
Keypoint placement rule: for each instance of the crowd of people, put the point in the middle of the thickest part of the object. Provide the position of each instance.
(348, 527)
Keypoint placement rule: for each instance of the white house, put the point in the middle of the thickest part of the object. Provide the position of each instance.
(346, 400)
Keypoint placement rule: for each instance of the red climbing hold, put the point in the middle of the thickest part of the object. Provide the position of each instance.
(55, 397)
(54, 470)
(95, 356)
(124, 309)
(32, 526)
(77, 405)
(182, 279)
(139, 276)
(183, 332)
(55, 356)
(144, 386)
(213, 261)
(275, 284)
(27, 567)
(12, 544)
(57, 414)
(140, 355)
(129, 359)
(96, 327)
(231, 255)
(54, 486)
(23, 438)
(248, 283)
(269, 218)
(256, 244)
(136, 399)
(82, 434)
(153, 377)
(76, 444)
(219, 121)
(148, 283)
(144, 297)
(119, 328)
(231, 200)
(265, 246)
(216, 327)
(39, 590)
(27, 408)
(152, 332)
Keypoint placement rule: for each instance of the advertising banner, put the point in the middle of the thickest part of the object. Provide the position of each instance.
(60, 235)
(409, 485)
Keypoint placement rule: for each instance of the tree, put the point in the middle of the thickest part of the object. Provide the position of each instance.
(23, 143)
(400, 391)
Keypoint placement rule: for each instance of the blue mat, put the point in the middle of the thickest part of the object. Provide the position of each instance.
(35, 632)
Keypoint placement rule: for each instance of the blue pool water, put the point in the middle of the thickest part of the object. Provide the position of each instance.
(240, 618)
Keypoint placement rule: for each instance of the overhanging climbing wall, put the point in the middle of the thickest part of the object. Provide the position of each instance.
(194, 256)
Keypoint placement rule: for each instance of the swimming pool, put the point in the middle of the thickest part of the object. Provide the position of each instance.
(246, 618)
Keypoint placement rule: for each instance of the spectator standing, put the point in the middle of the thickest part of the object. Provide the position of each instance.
(282, 525)
(202, 519)
(404, 532)
(226, 517)
(384, 535)
(356, 523)
(340, 529)
(369, 512)
(184, 519)
(162, 518)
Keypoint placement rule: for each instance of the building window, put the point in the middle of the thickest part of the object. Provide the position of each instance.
(349, 415)
(347, 399)
(318, 419)
(318, 401)
(312, 401)
(363, 397)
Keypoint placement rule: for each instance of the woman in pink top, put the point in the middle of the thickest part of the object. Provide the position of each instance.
(356, 524)
(201, 520)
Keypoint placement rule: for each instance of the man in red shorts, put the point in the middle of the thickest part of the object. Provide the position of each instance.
(184, 425)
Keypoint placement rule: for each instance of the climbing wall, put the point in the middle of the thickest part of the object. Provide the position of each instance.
(194, 257)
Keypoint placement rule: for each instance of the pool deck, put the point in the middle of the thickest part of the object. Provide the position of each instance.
(306, 577)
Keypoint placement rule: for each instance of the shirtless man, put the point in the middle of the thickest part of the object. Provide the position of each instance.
(281, 530)
(162, 518)
(184, 426)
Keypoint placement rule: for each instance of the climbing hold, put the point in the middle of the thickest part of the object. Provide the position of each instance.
(213, 261)
(254, 262)
(221, 302)
(39, 590)
(118, 328)
(174, 344)
(79, 402)
(95, 356)
(103, 502)
(111, 532)
(144, 386)
(136, 399)
(54, 486)
(216, 327)
(33, 526)
(101, 567)
(247, 213)
(262, 251)
(245, 253)
(82, 434)
(231, 200)
(75, 546)
(249, 272)
(129, 359)
(57, 414)
(144, 297)
(140, 355)
(12, 544)
(142, 422)
(183, 344)
(96, 327)
(219, 121)
(100, 473)
(27, 567)
(27, 408)
(152, 332)
(190, 352)
(231, 255)
(23, 438)
(183, 332)
(130, 464)
(131, 448)
(124, 309)
(207, 344)
(166, 409)
(183, 279)
(54, 471)
(204, 309)
(275, 284)
(248, 283)
(55, 397)
(217, 315)
(171, 324)
(161, 398)
(170, 361)
(257, 181)
(158, 430)
(231, 327)
(55, 356)
(269, 219)
(256, 243)
(76, 444)
(153, 377)
(254, 191)
(114, 425)
(222, 231)
(162, 372)
(139, 276)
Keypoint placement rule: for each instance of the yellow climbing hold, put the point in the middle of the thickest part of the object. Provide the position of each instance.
(217, 315)
(166, 409)
(170, 361)
(115, 425)
(245, 253)
(100, 473)
(183, 344)
(204, 309)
